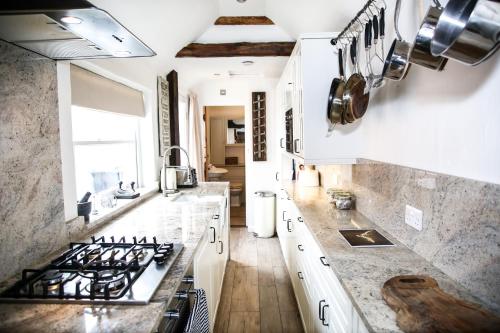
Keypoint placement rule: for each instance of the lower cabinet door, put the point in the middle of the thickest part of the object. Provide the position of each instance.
(203, 271)
(303, 297)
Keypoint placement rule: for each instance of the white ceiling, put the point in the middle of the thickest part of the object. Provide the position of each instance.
(168, 25)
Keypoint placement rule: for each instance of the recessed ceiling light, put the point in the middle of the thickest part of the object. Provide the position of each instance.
(71, 20)
(241, 1)
(121, 53)
(247, 62)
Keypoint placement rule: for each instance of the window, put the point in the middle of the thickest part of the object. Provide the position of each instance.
(105, 148)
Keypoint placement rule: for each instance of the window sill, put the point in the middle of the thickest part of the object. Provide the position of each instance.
(77, 226)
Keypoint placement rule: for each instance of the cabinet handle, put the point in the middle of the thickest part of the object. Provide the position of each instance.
(300, 247)
(276, 176)
(300, 275)
(281, 143)
(213, 241)
(295, 145)
(326, 306)
(300, 219)
(319, 310)
(288, 225)
(221, 247)
(283, 217)
(216, 216)
(323, 261)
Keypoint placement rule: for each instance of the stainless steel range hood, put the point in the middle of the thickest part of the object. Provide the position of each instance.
(67, 29)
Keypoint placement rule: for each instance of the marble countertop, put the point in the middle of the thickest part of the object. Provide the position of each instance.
(363, 271)
(168, 221)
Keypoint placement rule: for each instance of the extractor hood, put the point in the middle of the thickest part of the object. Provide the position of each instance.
(67, 29)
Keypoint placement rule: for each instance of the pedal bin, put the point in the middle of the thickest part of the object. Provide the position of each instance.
(265, 214)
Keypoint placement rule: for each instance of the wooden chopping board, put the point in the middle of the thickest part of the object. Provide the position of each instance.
(421, 306)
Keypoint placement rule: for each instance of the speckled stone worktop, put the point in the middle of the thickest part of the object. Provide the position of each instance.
(158, 216)
(363, 271)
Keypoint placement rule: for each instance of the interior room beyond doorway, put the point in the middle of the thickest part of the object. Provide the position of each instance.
(225, 135)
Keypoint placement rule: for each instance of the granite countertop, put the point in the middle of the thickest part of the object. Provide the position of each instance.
(363, 271)
(158, 216)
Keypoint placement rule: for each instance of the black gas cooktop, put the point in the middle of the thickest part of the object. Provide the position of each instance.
(365, 238)
(102, 271)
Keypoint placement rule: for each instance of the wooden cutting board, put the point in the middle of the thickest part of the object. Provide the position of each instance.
(421, 306)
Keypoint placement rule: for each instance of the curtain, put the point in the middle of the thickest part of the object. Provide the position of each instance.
(195, 147)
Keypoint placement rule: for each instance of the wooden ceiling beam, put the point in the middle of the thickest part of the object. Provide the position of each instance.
(243, 20)
(242, 49)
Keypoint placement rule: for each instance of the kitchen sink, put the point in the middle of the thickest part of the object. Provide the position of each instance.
(197, 198)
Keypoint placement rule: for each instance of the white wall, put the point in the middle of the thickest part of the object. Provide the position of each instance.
(259, 175)
(446, 122)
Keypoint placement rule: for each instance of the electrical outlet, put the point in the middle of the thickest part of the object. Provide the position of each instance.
(414, 217)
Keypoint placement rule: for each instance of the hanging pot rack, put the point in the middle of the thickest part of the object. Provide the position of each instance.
(356, 24)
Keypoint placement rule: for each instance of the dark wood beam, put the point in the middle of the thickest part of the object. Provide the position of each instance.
(243, 20)
(173, 83)
(243, 49)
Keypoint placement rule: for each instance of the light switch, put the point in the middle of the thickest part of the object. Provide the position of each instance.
(414, 217)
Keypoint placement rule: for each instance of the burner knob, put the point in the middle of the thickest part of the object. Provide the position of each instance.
(159, 258)
(168, 246)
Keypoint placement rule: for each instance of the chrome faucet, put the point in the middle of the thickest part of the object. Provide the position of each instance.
(166, 163)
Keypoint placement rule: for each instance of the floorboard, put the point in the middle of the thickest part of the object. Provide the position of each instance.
(257, 294)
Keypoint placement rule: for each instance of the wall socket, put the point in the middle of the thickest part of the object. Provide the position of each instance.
(414, 217)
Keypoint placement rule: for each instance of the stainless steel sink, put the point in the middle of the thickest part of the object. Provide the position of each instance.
(197, 198)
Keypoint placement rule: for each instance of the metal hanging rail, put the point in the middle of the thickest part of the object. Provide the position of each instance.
(357, 19)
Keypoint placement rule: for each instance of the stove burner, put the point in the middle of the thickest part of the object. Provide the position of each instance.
(138, 252)
(113, 279)
(92, 251)
(52, 279)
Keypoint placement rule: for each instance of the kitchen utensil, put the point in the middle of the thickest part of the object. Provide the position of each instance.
(421, 306)
(84, 209)
(85, 198)
(467, 31)
(354, 94)
(396, 63)
(336, 105)
(372, 80)
(421, 51)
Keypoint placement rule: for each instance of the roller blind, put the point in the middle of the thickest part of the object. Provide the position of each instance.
(94, 91)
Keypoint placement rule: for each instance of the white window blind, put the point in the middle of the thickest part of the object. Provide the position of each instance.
(93, 91)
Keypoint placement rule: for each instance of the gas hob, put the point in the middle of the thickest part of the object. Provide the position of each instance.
(102, 271)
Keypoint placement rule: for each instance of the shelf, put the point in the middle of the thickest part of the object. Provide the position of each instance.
(235, 145)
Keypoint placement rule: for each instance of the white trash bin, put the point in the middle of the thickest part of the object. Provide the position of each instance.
(265, 214)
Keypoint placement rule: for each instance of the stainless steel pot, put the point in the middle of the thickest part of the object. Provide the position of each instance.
(468, 31)
(396, 63)
(421, 52)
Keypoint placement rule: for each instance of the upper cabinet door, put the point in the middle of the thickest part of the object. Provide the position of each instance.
(311, 68)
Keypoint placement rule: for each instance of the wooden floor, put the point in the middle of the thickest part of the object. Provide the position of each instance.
(257, 295)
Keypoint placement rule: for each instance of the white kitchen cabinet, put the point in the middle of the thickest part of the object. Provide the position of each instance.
(211, 257)
(305, 86)
(323, 303)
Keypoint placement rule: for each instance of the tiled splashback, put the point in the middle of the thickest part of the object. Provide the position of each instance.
(31, 200)
(461, 218)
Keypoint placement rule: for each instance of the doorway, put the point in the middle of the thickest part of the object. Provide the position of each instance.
(225, 142)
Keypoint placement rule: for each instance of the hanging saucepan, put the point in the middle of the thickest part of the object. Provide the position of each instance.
(421, 52)
(356, 100)
(468, 31)
(396, 63)
(336, 104)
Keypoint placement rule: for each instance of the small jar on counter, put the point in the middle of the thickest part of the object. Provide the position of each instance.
(344, 201)
(331, 193)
